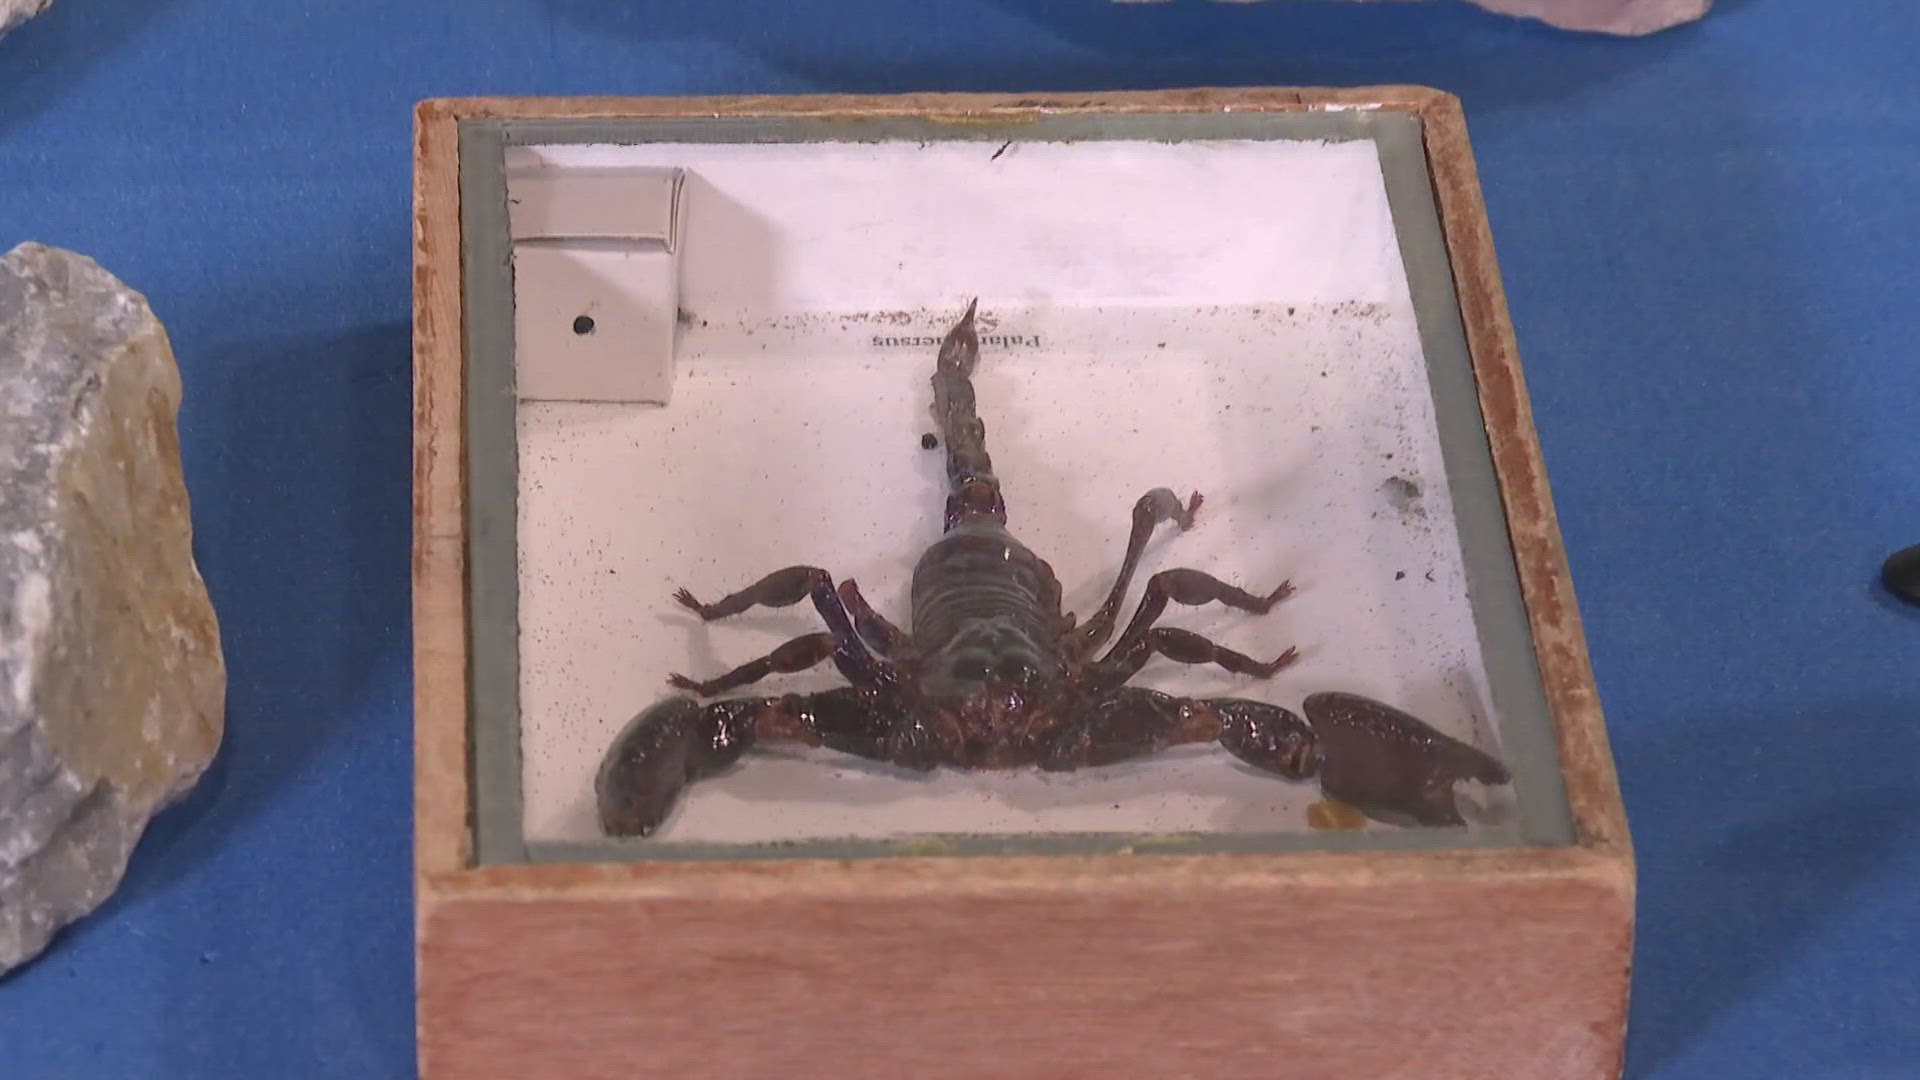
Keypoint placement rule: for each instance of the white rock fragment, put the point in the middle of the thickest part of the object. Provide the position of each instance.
(15, 12)
(112, 680)
(1624, 17)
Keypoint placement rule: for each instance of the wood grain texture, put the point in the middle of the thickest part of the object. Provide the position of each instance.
(1510, 980)
(440, 795)
(959, 108)
(1468, 963)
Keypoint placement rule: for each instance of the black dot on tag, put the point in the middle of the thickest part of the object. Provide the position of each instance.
(583, 325)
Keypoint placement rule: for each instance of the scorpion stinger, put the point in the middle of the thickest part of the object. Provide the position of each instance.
(992, 674)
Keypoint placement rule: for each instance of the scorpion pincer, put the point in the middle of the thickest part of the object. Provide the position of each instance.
(992, 675)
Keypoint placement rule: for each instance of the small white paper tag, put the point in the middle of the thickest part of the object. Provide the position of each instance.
(596, 282)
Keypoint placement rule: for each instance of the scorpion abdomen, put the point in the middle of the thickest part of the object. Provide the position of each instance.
(986, 616)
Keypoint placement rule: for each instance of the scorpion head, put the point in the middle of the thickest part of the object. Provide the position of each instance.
(988, 684)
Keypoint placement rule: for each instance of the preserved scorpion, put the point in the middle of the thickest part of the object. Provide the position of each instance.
(991, 674)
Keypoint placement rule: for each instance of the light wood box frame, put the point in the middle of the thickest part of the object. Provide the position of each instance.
(1429, 963)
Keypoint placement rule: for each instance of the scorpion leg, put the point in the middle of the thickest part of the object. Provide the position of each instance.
(1131, 653)
(874, 628)
(674, 742)
(1156, 506)
(680, 740)
(1387, 764)
(799, 654)
(871, 724)
(1192, 588)
(1135, 722)
(1132, 723)
(783, 588)
(1391, 766)
(865, 723)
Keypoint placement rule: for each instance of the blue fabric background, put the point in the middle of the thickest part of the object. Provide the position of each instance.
(1710, 238)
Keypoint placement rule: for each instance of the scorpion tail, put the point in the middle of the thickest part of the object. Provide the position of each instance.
(973, 492)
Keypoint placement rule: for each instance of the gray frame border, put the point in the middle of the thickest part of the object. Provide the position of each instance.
(492, 507)
(1493, 586)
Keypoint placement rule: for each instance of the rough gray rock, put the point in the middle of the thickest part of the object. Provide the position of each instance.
(1625, 17)
(15, 12)
(112, 680)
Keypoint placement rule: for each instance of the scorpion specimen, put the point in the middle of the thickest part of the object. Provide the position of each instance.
(993, 675)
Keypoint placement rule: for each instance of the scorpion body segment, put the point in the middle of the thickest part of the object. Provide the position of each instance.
(986, 613)
(973, 491)
(991, 673)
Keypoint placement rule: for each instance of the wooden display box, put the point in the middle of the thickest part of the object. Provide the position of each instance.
(1500, 952)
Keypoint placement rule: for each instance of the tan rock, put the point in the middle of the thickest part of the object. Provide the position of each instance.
(112, 679)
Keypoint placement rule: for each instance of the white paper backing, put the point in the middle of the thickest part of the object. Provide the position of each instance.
(1225, 317)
